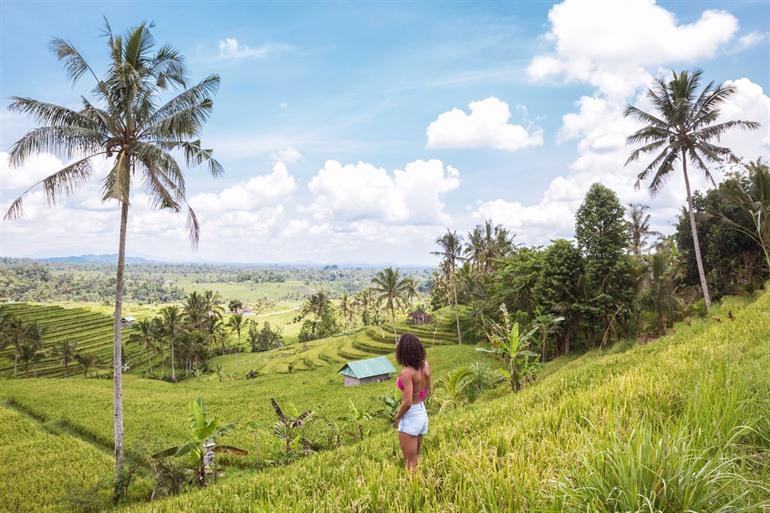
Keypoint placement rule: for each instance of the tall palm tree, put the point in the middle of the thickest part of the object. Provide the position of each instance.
(125, 124)
(639, 227)
(317, 306)
(346, 309)
(66, 351)
(683, 127)
(171, 320)
(146, 333)
(410, 290)
(235, 322)
(390, 289)
(195, 310)
(21, 335)
(451, 252)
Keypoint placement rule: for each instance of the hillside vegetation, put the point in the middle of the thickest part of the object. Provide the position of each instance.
(679, 424)
(90, 330)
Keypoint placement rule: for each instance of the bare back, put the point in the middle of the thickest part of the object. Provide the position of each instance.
(420, 381)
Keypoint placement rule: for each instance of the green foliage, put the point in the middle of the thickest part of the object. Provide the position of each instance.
(506, 341)
(263, 339)
(202, 445)
(320, 318)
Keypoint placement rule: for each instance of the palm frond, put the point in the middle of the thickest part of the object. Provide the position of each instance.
(74, 63)
(117, 183)
(62, 182)
(644, 117)
(663, 172)
(195, 156)
(65, 141)
(50, 114)
(193, 96)
(192, 226)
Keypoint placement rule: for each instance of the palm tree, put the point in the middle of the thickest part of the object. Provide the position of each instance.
(140, 137)
(86, 361)
(31, 351)
(22, 336)
(487, 243)
(66, 351)
(639, 227)
(317, 306)
(195, 310)
(363, 301)
(390, 288)
(346, 309)
(753, 198)
(170, 320)
(683, 127)
(411, 290)
(235, 322)
(146, 334)
(451, 251)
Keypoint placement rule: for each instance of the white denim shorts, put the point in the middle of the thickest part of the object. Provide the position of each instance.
(415, 421)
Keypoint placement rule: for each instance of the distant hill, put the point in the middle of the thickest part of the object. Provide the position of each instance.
(96, 259)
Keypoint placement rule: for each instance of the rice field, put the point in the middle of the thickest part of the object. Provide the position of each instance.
(92, 331)
(679, 424)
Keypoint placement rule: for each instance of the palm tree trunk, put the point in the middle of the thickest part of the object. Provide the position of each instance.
(173, 372)
(696, 243)
(15, 364)
(149, 362)
(117, 348)
(457, 313)
(393, 318)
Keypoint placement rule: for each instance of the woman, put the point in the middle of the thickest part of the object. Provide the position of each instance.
(414, 383)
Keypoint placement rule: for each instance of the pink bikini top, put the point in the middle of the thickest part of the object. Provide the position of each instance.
(423, 392)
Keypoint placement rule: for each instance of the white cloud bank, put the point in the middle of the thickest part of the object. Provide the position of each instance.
(486, 126)
(231, 49)
(618, 47)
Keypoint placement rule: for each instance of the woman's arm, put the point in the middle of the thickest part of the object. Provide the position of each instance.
(406, 395)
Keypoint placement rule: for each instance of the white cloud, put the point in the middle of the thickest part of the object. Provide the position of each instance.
(363, 191)
(750, 39)
(231, 49)
(618, 47)
(256, 192)
(36, 168)
(289, 155)
(612, 44)
(486, 126)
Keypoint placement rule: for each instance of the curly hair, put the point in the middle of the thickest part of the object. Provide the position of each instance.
(409, 351)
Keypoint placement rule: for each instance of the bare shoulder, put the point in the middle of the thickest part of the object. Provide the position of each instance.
(426, 367)
(407, 372)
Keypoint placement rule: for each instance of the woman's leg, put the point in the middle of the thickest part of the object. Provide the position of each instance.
(409, 446)
(419, 445)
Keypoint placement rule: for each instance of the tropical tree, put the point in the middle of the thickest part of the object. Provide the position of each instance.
(86, 361)
(65, 351)
(507, 342)
(235, 305)
(451, 252)
(170, 321)
(147, 332)
(546, 324)
(487, 243)
(347, 309)
(410, 290)
(639, 227)
(752, 196)
(390, 289)
(235, 322)
(288, 428)
(202, 444)
(321, 321)
(139, 136)
(683, 127)
(364, 302)
(31, 352)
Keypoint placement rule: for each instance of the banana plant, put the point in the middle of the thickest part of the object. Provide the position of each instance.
(453, 388)
(288, 427)
(202, 445)
(507, 342)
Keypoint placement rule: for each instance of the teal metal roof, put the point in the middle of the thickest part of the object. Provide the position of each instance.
(366, 368)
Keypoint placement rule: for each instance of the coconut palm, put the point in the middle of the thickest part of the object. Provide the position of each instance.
(639, 227)
(752, 196)
(170, 321)
(235, 322)
(487, 243)
(147, 333)
(390, 289)
(346, 309)
(65, 351)
(139, 136)
(451, 252)
(411, 292)
(683, 127)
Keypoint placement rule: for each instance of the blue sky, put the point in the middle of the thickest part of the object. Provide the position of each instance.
(360, 84)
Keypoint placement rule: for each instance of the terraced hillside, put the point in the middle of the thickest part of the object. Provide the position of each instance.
(92, 331)
(679, 424)
(353, 345)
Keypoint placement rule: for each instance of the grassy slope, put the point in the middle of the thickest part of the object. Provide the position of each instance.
(40, 468)
(508, 454)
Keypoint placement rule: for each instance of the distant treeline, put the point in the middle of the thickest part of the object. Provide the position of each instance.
(27, 280)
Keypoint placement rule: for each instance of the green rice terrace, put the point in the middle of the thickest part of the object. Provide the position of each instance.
(696, 403)
(91, 331)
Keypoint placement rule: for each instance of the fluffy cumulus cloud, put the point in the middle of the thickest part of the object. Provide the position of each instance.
(618, 48)
(234, 221)
(363, 191)
(612, 45)
(486, 125)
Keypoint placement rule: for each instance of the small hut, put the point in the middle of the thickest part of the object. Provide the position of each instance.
(372, 370)
(418, 317)
(127, 321)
